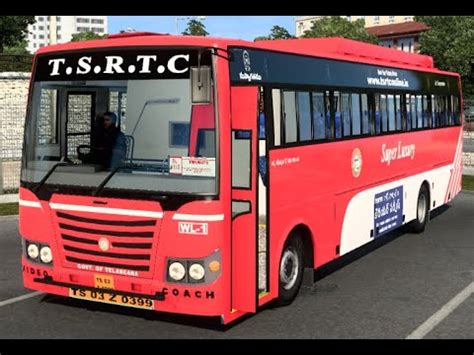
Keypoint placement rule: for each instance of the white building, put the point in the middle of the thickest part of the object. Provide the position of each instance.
(59, 29)
(304, 23)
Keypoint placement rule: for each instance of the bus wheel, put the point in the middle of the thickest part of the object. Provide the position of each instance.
(290, 271)
(422, 210)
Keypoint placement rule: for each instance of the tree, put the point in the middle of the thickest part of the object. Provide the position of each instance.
(450, 42)
(13, 29)
(336, 26)
(85, 36)
(277, 32)
(195, 28)
(18, 48)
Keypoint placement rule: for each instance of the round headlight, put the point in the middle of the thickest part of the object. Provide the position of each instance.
(196, 271)
(45, 255)
(176, 271)
(33, 251)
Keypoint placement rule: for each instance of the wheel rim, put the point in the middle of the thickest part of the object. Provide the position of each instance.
(421, 208)
(289, 268)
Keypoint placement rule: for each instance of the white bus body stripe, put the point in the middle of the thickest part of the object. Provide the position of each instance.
(359, 215)
(106, 210)
(199, 217)
(29, 203)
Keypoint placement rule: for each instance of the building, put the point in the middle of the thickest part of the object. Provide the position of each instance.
(59, 29)
(304, 23)
(402, 36)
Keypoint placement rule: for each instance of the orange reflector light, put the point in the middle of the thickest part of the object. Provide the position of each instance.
(214, 266)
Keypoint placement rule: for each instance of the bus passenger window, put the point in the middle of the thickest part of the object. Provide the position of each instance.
(398, 112)
(391, 113)
(355, 108)
(304, 116)
(337, 114)
(442, 110)
(377, 114)
(419, 111)
(365, 114)
(289, 114)
(383, 112)
(276, 100)
(319, 116)
(434, 105)
(456, 115)
(413, 111)
(346, 118)
(426, 112)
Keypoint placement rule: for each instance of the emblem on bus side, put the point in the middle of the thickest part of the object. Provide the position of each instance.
(104, 244)
(356, 162)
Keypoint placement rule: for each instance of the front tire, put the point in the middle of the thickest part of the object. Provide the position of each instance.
(290, 271)
(422, 210)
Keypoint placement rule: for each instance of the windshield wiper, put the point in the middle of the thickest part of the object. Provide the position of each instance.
(48, 174)
(161, 168)
(112, 173)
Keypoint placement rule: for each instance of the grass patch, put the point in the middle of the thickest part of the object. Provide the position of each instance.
(468, 182)
(8, 208)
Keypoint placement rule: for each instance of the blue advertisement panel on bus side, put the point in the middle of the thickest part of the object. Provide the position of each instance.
(388, 210)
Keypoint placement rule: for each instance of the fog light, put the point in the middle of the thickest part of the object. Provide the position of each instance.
(33, 251)
(176, 271)
(214, 266)
(45, 255)
(196, 271)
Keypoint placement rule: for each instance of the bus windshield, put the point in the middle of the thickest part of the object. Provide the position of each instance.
(132, 134)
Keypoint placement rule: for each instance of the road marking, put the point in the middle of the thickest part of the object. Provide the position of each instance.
(436, 318)
(20, 298)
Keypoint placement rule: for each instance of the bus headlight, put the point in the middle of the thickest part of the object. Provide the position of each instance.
(33, 251)
(177, 271)
(197, 272)
(46, 255)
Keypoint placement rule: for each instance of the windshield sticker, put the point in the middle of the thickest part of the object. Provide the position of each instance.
(192, 166)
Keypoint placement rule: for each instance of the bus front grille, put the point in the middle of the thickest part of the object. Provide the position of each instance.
(111, 244)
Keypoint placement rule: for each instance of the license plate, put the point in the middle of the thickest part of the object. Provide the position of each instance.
(112, 298)
(103, 281)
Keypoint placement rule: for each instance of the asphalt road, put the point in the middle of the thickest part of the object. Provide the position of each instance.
(385, 290)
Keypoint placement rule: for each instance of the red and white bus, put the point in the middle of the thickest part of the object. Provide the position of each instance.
(245, 163)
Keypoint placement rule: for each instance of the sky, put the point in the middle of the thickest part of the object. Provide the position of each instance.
(239, 27)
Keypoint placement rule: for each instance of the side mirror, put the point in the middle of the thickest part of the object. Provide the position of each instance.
(201, 85)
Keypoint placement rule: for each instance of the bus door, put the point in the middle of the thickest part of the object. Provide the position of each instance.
(244, 138)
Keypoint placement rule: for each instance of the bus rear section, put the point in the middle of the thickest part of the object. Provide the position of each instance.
(138, 223)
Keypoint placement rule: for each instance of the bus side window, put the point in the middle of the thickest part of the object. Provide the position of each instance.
(409, 113)
(383, 112)
(319, 115)
(413, 111)
(391, 113)
(434, 105)
(304, 116)
(377, 114)
(365, 114)
(355, 114)
(456, 110)
(276, 100)
(419, 111)
(337, 115)
(289, 116)
(398, 112)
(346, 118)
(426, 111)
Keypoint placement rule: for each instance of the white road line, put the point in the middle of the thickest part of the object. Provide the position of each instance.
(20, 298)
(436, 318)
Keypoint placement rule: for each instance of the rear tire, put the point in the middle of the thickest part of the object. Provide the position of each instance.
(422, 210)
(290, 271)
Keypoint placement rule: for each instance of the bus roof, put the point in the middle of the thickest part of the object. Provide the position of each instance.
(329, 47)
